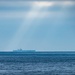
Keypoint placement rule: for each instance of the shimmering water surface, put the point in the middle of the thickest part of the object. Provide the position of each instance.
(37, 63)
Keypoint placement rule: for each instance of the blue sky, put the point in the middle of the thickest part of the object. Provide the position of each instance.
(43, 25)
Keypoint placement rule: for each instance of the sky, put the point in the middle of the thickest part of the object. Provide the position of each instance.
(37, 25)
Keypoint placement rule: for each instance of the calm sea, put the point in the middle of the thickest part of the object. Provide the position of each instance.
(37, 63)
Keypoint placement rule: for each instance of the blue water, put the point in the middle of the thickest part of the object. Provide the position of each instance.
(41, 63)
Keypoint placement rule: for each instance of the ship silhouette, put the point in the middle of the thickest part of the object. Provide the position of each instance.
(21, 50)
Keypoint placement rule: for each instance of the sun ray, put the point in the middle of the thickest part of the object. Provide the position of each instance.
(29, 18)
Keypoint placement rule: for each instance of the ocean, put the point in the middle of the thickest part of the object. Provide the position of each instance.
(37, 63)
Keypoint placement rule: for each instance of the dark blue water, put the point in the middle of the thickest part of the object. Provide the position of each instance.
(37, 63)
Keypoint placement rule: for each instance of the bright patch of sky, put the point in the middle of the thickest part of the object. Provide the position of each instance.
(39, 25)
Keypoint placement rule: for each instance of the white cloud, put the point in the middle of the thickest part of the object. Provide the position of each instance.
(26, 3)
(43, 3)
(20, 14)
(69, 2)
(36, 5)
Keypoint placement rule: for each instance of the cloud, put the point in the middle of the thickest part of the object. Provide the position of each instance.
(69, 2)
(36, 3)
(20, 14)
(43, 3)
(22, 7)
(15, 3)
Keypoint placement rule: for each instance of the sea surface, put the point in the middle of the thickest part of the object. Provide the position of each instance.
(37, 63)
